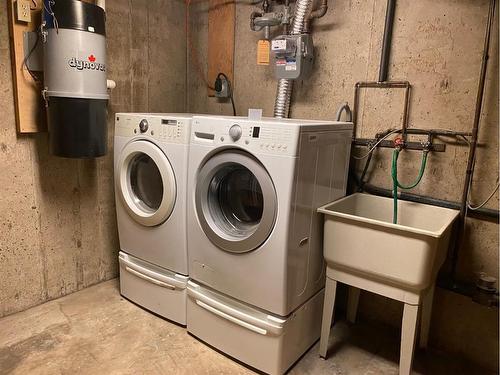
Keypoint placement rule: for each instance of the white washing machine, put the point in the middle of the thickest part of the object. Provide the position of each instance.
(150, 163)
(254, 237)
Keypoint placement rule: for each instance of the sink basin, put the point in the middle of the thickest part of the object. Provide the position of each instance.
(360, 238)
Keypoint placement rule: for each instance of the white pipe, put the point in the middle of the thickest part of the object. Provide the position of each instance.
(101, 3)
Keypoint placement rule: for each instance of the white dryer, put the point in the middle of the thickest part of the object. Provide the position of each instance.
(150, 163)
(254, 237)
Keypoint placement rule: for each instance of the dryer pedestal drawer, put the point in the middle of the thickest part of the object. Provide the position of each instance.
(154, 288)
(266, 342)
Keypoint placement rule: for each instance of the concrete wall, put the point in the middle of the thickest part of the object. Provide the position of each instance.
(437, 46)
(57, 216)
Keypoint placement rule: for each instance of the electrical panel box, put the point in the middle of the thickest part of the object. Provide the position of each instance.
(293, 56)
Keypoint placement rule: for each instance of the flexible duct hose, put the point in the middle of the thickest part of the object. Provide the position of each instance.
(285, 86)
(283, 96)
(299, 18)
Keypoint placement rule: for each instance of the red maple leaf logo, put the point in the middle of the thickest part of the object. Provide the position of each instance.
(91, 58)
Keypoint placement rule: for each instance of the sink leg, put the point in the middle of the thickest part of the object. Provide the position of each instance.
(426, 317)
(352, 303)
(408, 333)
(328, 306)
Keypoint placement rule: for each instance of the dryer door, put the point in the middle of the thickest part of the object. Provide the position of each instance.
(146, 183)
(235, 201)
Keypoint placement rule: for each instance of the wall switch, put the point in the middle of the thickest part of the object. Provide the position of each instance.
(23, 10)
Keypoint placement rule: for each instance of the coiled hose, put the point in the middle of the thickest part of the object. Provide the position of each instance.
(396, 184)
(285, 86)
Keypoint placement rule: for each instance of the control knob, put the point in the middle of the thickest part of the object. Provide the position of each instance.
(235, 132)
(143, 125)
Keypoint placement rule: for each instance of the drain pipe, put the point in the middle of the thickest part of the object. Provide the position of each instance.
(285, 86)
(387, 41)
(473, 143)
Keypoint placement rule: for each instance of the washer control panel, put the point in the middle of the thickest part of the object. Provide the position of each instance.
(235, 132)
(164, 128)
(143, 125)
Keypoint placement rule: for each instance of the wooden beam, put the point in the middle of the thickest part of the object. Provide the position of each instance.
(29, 105)
(221, 23)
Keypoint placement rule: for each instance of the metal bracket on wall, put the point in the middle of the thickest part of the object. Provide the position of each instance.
(424, 145)
(408, 145)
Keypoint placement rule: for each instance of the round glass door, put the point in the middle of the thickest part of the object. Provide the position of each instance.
(146, 183)
(235, 201)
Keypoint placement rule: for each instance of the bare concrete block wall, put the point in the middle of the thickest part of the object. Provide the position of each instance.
(57, 216)
(437, 46)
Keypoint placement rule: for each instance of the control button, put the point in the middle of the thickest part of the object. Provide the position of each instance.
(143, 125)
(246, 142)
(235, 132)
(222, 139)
(152, 132)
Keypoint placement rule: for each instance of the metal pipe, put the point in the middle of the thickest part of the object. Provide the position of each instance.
(473, 144)
(321, 11)
(316, 13)
(387, 40)
(385, 85)
(285, 86)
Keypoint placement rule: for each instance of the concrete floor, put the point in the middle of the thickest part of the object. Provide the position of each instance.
(96, 331)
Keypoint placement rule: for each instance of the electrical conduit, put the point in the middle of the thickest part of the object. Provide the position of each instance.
(285, 86)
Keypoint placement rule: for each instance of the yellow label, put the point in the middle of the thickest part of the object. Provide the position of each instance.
(263, 52)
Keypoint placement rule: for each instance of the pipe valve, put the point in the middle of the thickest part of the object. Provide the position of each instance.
(399, 143)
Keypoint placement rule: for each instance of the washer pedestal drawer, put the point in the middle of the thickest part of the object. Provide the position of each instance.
(154, 288)
(269, 343)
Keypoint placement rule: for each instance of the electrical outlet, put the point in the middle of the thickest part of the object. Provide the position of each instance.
(23, 10)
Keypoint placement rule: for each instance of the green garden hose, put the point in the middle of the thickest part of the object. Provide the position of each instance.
(396, 184)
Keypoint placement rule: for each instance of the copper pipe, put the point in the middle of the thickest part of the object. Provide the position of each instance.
(473, 144)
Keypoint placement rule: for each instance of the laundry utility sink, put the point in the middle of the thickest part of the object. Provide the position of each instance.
(360, 239)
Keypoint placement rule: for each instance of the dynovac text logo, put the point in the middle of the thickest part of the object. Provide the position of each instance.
(89, 64)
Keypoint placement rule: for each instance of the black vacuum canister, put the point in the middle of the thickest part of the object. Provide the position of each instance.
(75, 78)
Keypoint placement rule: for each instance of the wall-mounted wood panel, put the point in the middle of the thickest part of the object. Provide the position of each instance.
(29, 105)
(221, 20)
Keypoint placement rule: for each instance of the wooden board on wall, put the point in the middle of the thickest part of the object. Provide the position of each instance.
(29, 107)
(221, 20)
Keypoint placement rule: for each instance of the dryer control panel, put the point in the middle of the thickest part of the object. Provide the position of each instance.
(162, 127)
(256, 136)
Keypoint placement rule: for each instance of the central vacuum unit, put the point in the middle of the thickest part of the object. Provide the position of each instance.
(75, 87)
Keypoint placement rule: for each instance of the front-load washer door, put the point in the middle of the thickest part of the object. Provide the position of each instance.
(146, 183)
(235, 201)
